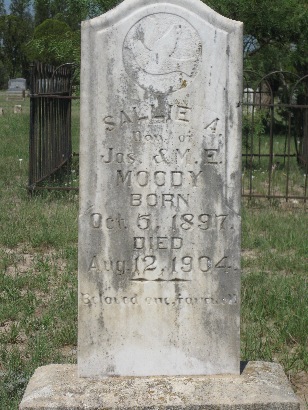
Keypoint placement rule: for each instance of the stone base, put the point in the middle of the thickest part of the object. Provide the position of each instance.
(261, 386)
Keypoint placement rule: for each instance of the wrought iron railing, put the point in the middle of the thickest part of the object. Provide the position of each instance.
(50, 124)
(275, 136)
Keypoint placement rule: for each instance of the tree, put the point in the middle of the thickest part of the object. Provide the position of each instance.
(41, 11)
(20, 8)
(56, 39)
(2, 8)
(275, 31)
(54, 43)
(14, 33)
(71, 12)
(97, 7)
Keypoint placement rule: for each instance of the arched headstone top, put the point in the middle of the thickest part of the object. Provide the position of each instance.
(196, 8)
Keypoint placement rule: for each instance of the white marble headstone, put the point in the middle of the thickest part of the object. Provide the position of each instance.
(159, 227)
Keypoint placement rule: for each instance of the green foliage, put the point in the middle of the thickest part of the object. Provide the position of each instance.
(51, 27)
(97, 7)
(41, 11)
(275, 32)
(21, 8)
(299, 56)
(56, 39)
(71, 12)
(253, 127)
(15, 31)
(4, 75)
(2, 8)
(54, 43)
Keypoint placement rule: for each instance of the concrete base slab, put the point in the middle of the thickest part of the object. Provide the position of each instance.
(261, 386)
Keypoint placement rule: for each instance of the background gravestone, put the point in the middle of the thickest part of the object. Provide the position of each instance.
(16, 89)
(17, 109)
(17, 84)
(159, 228)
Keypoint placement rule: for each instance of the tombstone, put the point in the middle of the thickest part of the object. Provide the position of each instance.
(17, 109)
(17, 84)
(16, 89)
(159, 224)
(159, 259)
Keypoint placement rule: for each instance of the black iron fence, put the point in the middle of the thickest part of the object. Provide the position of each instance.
(275, 133)
(50, 126)
(275, 136)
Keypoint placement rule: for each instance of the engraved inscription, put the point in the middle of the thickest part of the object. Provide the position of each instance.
(168, 178)
(118, 157)
(112, 222)
(149, 262)
(179, 201)
(180, 113)
(186, 222)
(211, 156)
(139, 137)
(203, 221)
(158, 178)
(159, 242)
(96, 220)
(229, 299)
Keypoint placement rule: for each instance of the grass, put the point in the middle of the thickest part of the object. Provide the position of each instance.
(275, 287)
(38, 266)
(38, 273)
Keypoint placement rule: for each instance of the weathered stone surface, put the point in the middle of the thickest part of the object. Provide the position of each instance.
(17, 109)
(159, 231)
(261, 386)
(16, 89)
(17, 84)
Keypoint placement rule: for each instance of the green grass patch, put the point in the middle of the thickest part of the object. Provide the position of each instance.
(38, 265)
(275, 286)
(275, 319)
